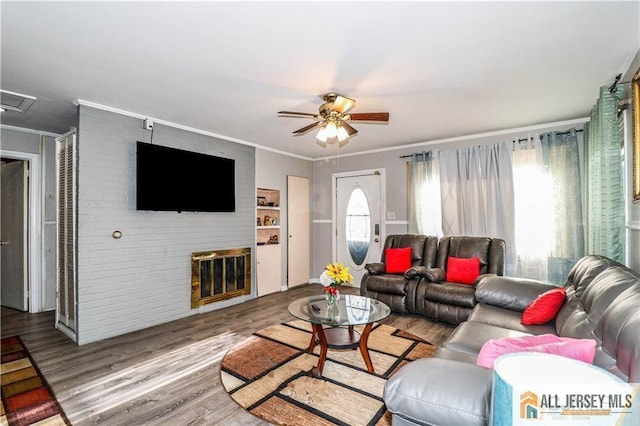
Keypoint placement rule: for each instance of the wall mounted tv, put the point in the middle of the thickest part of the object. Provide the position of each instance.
(170, 179)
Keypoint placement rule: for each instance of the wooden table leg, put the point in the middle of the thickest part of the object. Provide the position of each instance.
(364, 350)
(319, 332)
(312, 343)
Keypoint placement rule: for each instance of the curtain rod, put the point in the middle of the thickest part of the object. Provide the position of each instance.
(612, 88)
(518, 140)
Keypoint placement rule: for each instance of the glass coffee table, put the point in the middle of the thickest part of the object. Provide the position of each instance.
(333, 327)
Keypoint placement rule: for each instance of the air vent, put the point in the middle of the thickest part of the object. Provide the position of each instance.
(15, 101)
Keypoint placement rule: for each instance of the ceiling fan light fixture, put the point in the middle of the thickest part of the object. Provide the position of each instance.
(333, 118)
(342, 134)
(331, 129)
(322, 135)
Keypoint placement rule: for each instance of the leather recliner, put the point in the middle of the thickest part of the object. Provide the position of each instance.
(396, 290)
(450, 302)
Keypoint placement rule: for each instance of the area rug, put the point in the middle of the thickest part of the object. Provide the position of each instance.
(26, 397)
(267, 374)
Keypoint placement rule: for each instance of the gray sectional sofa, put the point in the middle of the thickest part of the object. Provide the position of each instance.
(602, 303)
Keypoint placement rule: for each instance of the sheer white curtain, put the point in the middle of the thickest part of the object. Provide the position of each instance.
(425, 211)
(528, 194)
(475, 195)
(533, 195)
(548, 198)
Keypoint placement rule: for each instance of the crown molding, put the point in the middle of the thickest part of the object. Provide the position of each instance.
(82, 102)
(26, 130)
(528, 129)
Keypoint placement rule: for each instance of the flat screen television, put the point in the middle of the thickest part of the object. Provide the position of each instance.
(170, 179)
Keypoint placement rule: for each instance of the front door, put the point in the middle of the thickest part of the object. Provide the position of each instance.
(13, 233)
(359, 206)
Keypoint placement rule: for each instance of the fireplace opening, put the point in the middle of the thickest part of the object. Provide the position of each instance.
(219, 275)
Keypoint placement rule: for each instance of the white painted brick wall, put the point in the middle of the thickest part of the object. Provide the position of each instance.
(144, 278)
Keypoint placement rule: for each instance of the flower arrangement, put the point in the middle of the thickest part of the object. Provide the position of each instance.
(335, 274)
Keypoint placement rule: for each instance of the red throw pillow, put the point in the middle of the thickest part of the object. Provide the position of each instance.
(398, 260)
(463, 271)
(545, 307)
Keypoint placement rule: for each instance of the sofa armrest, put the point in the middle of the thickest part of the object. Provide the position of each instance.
(510, 292)
(482, 277)
(415, 272)
(440, 392)
(435, 275)
(375, 268)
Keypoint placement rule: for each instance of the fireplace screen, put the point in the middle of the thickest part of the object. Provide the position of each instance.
(219, 275)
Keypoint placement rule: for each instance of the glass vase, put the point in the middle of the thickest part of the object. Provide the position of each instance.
(332, 299)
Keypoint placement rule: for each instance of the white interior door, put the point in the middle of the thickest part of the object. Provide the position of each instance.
(298, 231)
(359, 206)
(13, 234)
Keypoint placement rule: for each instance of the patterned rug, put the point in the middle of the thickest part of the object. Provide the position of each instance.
(26, 397)
(267, 374)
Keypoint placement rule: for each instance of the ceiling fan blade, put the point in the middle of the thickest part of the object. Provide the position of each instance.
(306, 128)
(350, 130)
(342, 104)
(303, 114)
(368, 116)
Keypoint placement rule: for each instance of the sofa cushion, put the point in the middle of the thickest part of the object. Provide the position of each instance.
(387, 283)
(451, 294)
(423, 248)
(618, 331)
(416, 393)
(581, 349)
(469, 336)
(398, 260)
(445, 353)
(510, 292)
(506, 318)
(545, 307)
(597, 297)
(463, 271)
(579, 279)
(445, 312)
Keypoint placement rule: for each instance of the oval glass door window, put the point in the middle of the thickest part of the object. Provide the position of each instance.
(358, 226)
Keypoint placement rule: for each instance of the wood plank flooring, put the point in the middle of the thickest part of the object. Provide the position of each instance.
(168, 374)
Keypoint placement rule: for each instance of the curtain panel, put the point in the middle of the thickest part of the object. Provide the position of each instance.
(464, 192)
(528, 194)
(604, 184)
(561, 160)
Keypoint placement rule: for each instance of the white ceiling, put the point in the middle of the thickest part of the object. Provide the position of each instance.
(441, 69)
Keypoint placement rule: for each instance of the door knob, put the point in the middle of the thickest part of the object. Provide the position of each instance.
(376, 240)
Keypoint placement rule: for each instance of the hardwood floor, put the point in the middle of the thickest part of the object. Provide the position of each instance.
(168, 374)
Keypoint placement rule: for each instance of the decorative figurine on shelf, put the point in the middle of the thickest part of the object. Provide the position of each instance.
(258, 222)
(273, 239)
(266, 220)
(274, 221)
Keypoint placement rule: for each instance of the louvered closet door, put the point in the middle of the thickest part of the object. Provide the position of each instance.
(66, 235)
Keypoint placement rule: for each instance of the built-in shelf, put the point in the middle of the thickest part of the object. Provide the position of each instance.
(268, 216)
(268, 240)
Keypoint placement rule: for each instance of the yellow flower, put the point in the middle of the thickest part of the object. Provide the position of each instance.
(338, 273)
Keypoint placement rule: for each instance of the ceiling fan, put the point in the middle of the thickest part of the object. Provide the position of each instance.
(333, 117)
